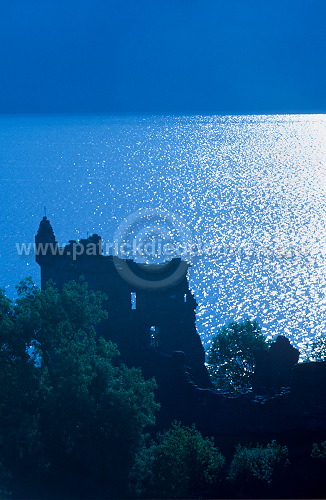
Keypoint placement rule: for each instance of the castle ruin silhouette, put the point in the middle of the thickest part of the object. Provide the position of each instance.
(141, 321)
(155, 330)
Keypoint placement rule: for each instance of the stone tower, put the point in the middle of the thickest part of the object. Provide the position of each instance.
(142, 321)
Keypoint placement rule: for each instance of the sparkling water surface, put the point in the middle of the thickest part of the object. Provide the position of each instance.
(252, 186)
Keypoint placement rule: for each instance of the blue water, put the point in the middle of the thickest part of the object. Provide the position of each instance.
(252, 185)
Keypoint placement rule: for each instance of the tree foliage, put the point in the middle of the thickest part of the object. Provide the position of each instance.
(257, 463)
(316, 350)
(71, 417)
(180, 464)
(231, 358)
(319, 451)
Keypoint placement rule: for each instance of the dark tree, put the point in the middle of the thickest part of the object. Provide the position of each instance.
(71, 417)
(316, 349)
(180, 464)
(231, 358)
(253, 468)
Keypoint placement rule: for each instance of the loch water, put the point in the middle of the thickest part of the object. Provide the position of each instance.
(252, 187)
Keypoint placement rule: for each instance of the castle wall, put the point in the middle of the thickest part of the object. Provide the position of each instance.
(172, 352)
(139, 319)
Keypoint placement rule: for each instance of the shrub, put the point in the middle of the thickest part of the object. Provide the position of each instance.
(258, 463)
(182, 464)
(319, 451)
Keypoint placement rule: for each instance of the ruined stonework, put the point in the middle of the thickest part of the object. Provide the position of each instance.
(140, 320)
(155, 330)
(273, 370)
